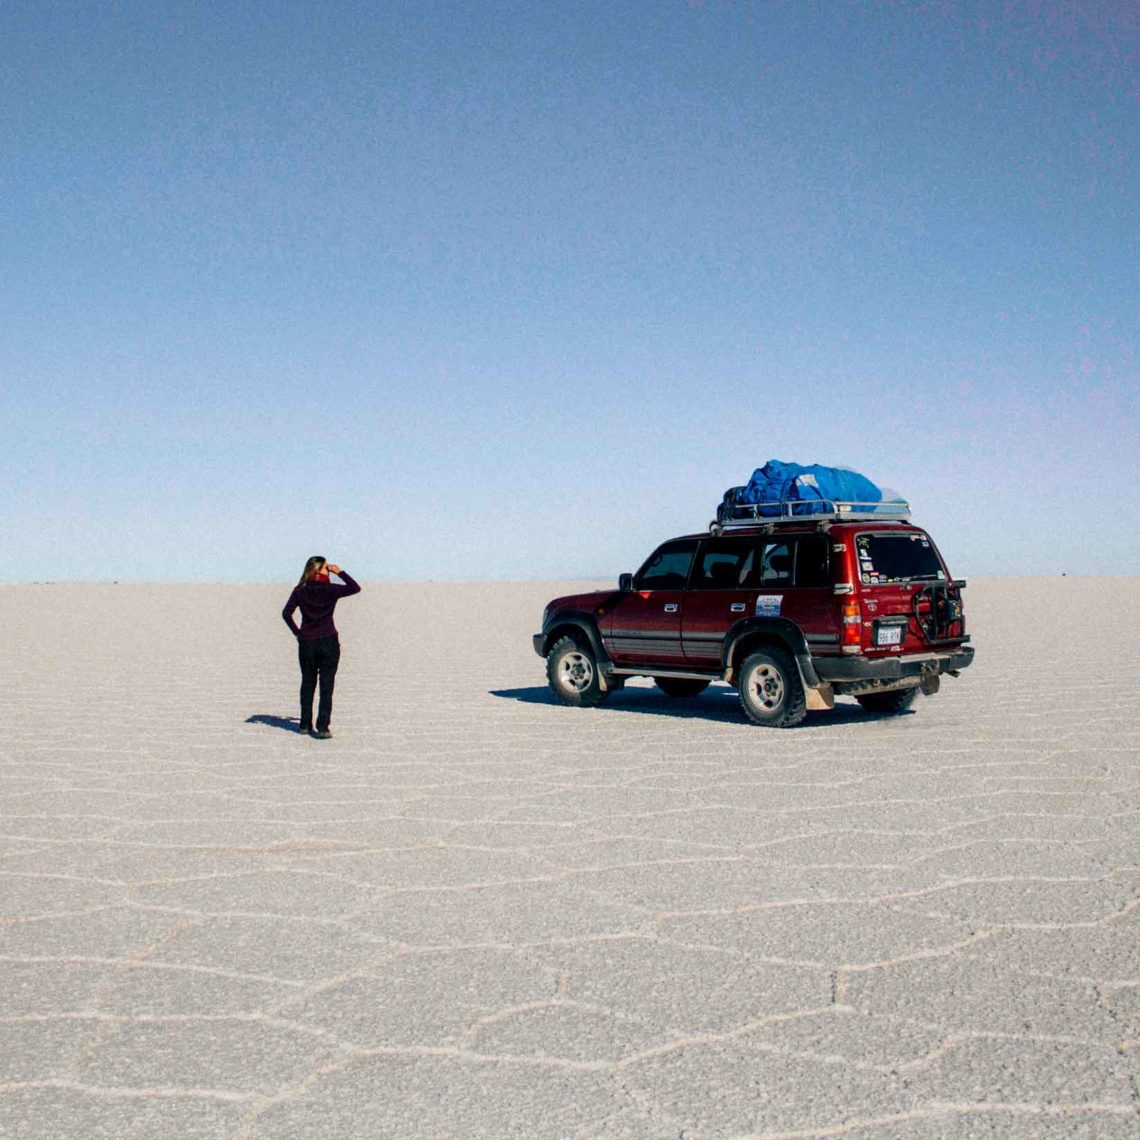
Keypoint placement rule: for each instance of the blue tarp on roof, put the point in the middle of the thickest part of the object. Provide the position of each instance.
(778, 481)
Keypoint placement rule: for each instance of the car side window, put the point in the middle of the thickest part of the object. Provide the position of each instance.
(724, 564)
(813, 561)
(667, 567)
(776, 564)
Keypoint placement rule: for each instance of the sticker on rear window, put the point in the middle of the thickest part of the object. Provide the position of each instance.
(889, 559)
(768, 605)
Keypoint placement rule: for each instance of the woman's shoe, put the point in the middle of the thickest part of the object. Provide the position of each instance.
(324, 734)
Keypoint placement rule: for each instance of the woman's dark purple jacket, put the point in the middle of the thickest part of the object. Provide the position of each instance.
(317, 600)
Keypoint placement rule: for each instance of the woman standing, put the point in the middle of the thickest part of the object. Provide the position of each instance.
(318, 645)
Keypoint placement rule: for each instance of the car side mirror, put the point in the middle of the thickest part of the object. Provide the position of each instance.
(625, 583)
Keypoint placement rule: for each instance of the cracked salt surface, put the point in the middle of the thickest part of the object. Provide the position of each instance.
(475, 913)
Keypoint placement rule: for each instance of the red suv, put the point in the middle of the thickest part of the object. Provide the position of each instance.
(792, 610)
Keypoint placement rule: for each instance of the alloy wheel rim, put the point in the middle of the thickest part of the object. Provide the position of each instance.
(575, 671)
(766, 686)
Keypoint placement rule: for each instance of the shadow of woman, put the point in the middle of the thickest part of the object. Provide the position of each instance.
(288, 723)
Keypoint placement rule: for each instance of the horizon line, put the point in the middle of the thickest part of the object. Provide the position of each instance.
(71, 582)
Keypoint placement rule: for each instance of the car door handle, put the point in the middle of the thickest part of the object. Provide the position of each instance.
(671, 608)
(738, 607)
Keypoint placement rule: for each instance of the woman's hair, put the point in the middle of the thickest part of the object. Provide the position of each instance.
(312, 568)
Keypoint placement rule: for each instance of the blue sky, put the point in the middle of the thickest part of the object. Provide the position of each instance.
(515, 290)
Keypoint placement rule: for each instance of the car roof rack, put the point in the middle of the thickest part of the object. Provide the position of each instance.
(733, 515)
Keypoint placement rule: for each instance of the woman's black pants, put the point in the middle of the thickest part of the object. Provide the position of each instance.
(319, 660)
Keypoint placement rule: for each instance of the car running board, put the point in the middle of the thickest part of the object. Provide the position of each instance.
(680, 674)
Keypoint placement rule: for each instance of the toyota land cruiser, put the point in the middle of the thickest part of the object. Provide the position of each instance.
(793, 610)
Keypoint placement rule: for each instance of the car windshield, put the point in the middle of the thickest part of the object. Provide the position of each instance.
(906, 557)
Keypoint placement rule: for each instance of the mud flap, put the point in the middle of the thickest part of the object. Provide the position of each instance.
(820, 698)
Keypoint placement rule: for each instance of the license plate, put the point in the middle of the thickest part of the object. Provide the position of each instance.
(889, 635)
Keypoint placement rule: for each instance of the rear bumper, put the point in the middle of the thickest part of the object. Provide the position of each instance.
(840, 669)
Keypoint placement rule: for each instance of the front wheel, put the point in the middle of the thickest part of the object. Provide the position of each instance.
(573, 674)
(889, 704)
(680, 687)
(771, 690)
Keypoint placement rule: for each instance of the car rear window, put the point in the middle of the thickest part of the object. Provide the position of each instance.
(907, 557)
(813, 561)
(800, 561)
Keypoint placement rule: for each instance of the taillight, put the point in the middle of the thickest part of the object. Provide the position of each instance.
(852, 628)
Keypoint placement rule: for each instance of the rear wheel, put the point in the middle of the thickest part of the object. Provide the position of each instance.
(771, 690)
(680, 687)
(572, 672)
(889, 704)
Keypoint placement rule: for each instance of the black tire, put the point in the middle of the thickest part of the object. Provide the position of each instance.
(889, 704)
(771, 690)
(573, 674)
(680, 687)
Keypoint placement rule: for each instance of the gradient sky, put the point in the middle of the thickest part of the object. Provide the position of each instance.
(515, 290)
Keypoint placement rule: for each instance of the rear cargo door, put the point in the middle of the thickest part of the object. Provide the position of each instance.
(905, 586)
